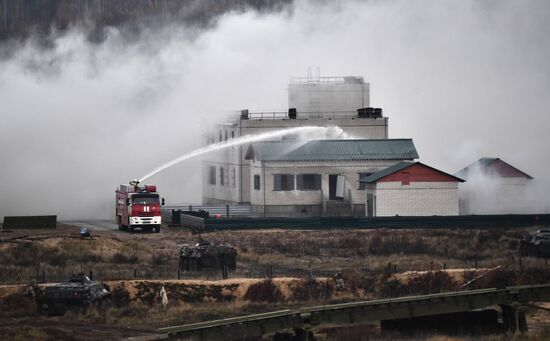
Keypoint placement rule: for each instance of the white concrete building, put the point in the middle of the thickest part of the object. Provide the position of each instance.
(318, 178)
(411, 189)
(328, 94)
(343, 102)
(494, 187)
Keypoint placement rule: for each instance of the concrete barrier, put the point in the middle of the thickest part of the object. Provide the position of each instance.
(30, 222)
(191, 221)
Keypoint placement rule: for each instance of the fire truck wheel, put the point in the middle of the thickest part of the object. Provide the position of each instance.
(131, 229)
(157, 229)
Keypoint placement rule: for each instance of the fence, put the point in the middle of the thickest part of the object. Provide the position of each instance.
(171, 214)
(321, 223)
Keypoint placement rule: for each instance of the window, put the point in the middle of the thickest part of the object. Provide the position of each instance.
(226, 135)
(362, 185)
(256, 182)
(308, 182)
(233, 177)
(211, 175)
(226, 176)
(145, 200)
(222, 177)
(232, 134)
(283, 182)
(220, 136)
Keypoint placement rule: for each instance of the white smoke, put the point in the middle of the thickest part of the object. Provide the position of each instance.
(487, 192)
(79, 118)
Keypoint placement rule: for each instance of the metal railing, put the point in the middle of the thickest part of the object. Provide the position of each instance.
(213, 210)
(283, 115)
(343, 79)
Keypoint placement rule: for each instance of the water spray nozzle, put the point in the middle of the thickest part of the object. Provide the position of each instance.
(134, 182)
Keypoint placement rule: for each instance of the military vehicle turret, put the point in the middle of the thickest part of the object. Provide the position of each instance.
(79, 292)
(535, 244)
(203, 256)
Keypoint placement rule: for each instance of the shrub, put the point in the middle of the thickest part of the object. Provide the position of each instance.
(55, 258)
(26, 254)
(497, 279)
(312, 289)
(121, 258)
(355, 280)
(431, 282)
(534, 276)
(394, 243)
(120, 296)
(263, 291)
(392, 287)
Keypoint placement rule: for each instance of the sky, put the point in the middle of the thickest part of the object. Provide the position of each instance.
(464, 79)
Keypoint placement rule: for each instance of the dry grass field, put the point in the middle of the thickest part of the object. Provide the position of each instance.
(309, 267)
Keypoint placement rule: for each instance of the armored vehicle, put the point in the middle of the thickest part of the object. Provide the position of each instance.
(203, 256)
(79, 292)
(535, 244)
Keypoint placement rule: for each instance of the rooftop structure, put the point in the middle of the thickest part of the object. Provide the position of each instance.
(328, 94)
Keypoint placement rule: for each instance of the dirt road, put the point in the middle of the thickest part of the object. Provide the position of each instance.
(94, 225)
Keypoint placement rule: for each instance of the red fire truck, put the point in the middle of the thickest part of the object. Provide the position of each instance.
(138, 207)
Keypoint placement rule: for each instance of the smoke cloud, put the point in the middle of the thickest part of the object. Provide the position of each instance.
(464, 79)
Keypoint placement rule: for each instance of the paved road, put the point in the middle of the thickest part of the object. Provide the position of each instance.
(94, 225)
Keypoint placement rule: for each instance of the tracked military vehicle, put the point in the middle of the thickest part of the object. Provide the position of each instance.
(78, 293)
(203, 256)
(535, 244)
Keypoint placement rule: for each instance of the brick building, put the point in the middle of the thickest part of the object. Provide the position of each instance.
(320, 177)
(411, 189)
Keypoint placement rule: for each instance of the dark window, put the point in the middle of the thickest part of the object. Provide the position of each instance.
(283, 182)
(220, 136)
(222, 176)
(145, 200)
(232, 134)
(256, 182)
(363, 185)
(226, 135)
(308, 182)
(211, 175)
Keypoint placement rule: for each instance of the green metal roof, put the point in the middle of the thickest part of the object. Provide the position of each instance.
(333, 150)
(396, 168)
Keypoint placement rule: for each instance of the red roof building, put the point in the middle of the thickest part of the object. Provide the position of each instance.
(411, 189)
(494, 187)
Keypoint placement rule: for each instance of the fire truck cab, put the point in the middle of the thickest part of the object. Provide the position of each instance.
(138, 207)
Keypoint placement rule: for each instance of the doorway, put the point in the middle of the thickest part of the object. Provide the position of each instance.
(336, 187)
